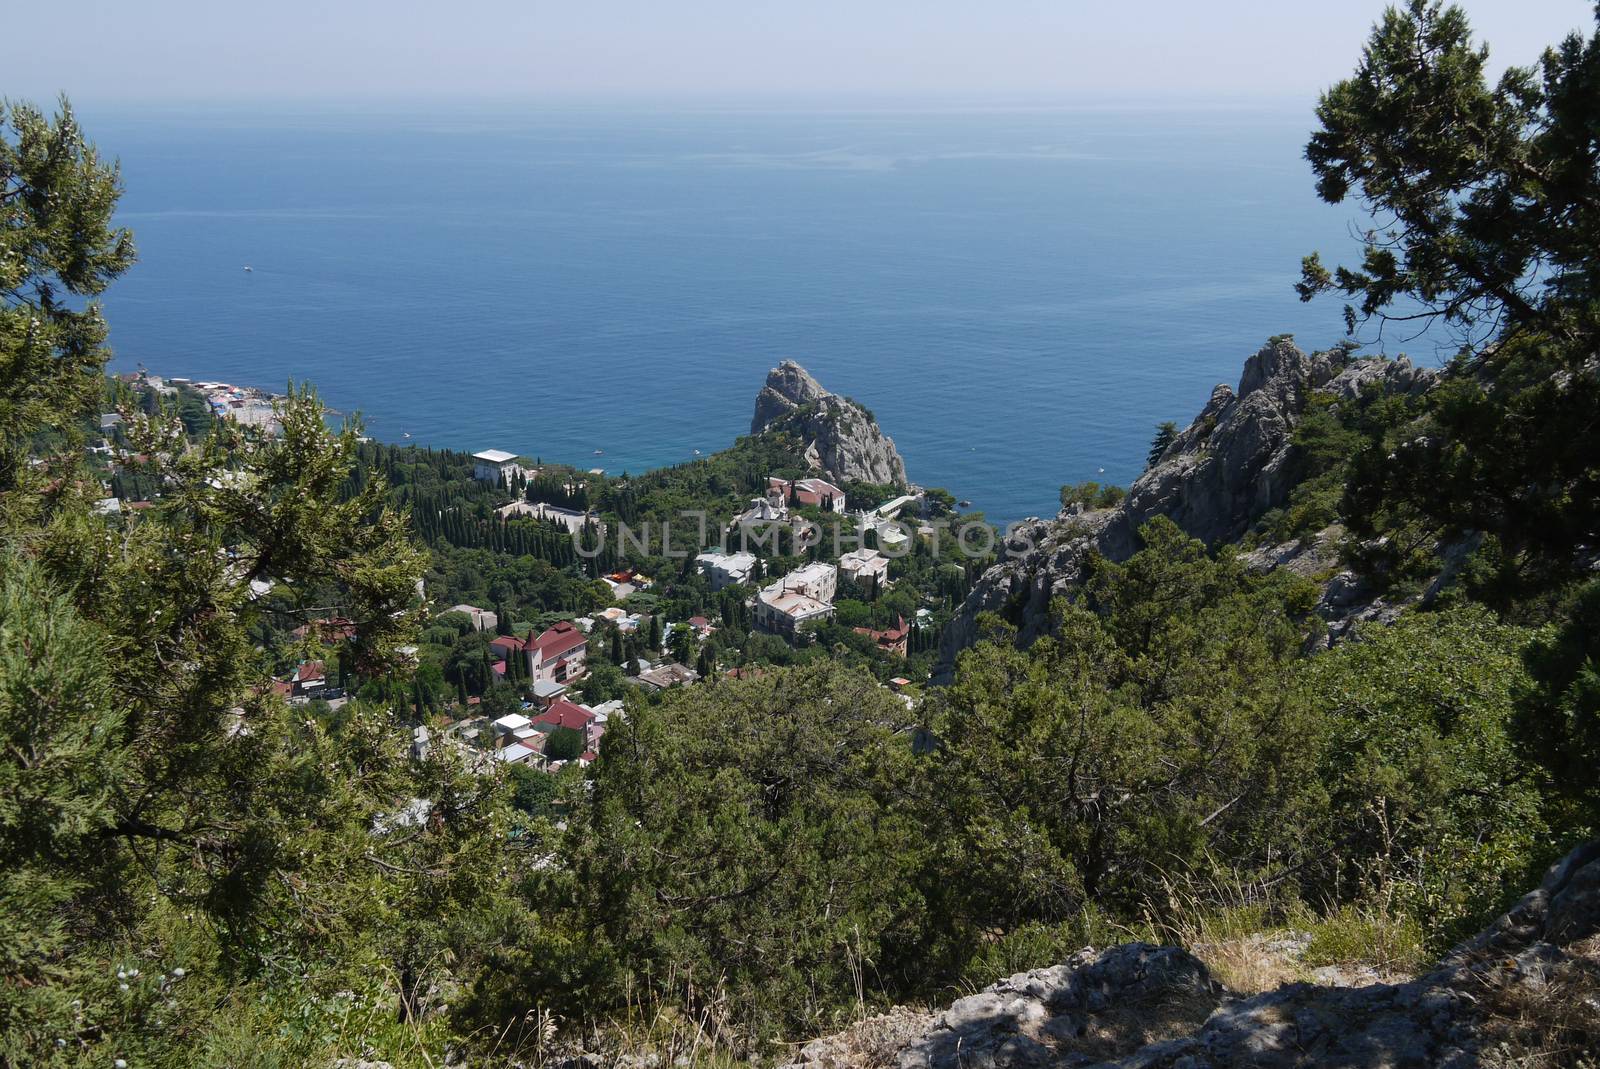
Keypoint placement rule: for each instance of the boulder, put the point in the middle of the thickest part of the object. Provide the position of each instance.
(1534, 972)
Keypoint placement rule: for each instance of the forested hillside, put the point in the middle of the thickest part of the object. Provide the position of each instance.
(1352, 693)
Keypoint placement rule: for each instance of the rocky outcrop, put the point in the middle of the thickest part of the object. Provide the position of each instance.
(841, 437)
(1530, 983)
(1232, 464)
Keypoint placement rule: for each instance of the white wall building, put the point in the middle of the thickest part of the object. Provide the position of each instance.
(803, 595)
(726, 569)
(493, 465)
(861, 566)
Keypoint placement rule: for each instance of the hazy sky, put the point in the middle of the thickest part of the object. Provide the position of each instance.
(97, 49)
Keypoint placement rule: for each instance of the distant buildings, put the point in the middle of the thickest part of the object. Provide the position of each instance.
(726, 569)
(819, 493)
(493, 465)
(803, 595)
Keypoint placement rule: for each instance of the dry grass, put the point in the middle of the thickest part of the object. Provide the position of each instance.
(1549, 1022)
(1254, 940)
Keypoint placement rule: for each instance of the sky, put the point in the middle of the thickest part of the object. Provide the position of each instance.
(99, 50)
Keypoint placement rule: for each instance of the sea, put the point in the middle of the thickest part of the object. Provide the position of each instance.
(1019, 292)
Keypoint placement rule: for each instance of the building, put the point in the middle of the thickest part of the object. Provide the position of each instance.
(762, 510)
(891, 534)
(493, 466)
(506, 646)
(891, 641)
(545, 693)
(309, 678)
(819, 493)
(820, 581)
(726, 569)
(482, 619)
(573, 520)
(571, 715)
(864, 566)
(804, 595)
(519, 753)
(668, 675)
(557, 655)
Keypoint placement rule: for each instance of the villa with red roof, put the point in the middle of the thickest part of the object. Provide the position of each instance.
(818, 492)
(565, 714)
(557, 655)
(506, 645)
(891, 641)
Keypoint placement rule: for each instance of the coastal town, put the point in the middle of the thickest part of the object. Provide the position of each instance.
(812, 564)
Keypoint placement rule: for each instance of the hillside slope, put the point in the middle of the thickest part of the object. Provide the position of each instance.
(1232, 464)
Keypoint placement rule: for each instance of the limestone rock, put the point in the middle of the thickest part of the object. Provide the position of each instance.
(1232, 464)
(841, 437)
(1139, 1006)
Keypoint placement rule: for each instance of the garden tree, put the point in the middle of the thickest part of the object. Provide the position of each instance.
(1151, 731)
(655, 631)
(602, 683)
(501, 699)
(1429, 807)
(564, 744)
(742, 849)
(533, 790)
(682, 644)
(1166, 432)
(57, 247)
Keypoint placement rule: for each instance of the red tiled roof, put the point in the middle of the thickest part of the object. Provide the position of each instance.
(890, 637)
(564, 714)
(499, 668)
(699, 621)
(310, 670)
(560, 639)
(508, 642)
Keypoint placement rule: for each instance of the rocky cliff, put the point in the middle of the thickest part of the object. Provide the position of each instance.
(841, 437)
(1525, 992)
(1232, 464)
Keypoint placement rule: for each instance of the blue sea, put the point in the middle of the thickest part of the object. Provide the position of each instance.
(1018, 293)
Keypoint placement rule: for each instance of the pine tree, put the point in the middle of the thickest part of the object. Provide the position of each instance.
(1166, 432)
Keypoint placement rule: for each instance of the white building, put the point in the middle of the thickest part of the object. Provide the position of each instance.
(803, 595)
(482, 619)
(493, 465)
(891, 534)
(762, 510)
(726, 569)
(862, 566)
(573, 520)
